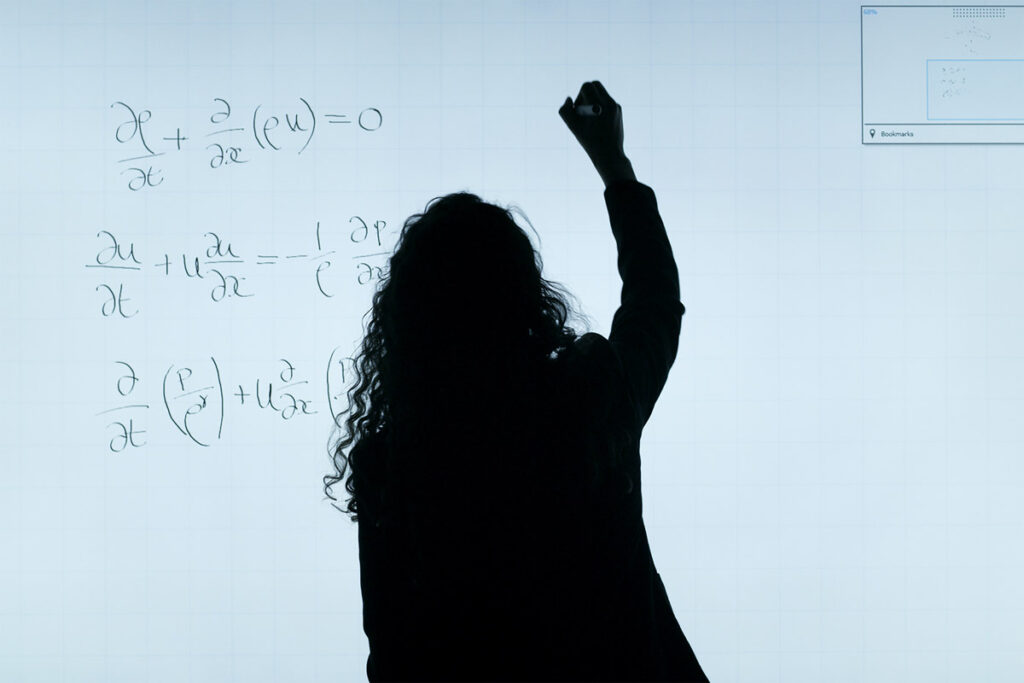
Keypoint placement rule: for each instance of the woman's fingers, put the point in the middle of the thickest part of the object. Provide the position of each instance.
(602, 94)
(589, 94)
(567, 112)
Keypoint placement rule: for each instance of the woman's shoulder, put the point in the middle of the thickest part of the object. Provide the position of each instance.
(592, 395)
(595, 374)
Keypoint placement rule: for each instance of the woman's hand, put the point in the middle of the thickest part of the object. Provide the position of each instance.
(600, 135)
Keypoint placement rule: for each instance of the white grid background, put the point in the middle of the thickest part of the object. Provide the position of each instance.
(832, 477)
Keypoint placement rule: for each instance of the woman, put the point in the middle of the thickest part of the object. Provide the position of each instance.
(495, 467)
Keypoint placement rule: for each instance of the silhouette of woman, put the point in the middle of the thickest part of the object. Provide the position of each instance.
(494, 468)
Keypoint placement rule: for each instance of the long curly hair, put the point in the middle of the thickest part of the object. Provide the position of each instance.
(462, 326)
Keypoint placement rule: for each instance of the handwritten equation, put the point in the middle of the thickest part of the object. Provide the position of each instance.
(970, 37)
(270, 131)
(221, 264)
(952, 80)
(199, 399)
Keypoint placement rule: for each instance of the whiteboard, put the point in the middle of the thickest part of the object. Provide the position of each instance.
(832, 476)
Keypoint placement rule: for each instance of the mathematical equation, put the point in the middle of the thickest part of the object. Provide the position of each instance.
(268, 134)
(221, 263)
(198, 399)
(952, 80)
(970, 37)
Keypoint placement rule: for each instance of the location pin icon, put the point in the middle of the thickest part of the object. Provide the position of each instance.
(872, 131)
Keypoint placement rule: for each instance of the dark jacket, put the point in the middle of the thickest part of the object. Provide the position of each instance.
(549, 577)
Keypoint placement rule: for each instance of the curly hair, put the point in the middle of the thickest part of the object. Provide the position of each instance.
(462, 323)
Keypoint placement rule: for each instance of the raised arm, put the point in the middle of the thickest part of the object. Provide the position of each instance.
(646, 326)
